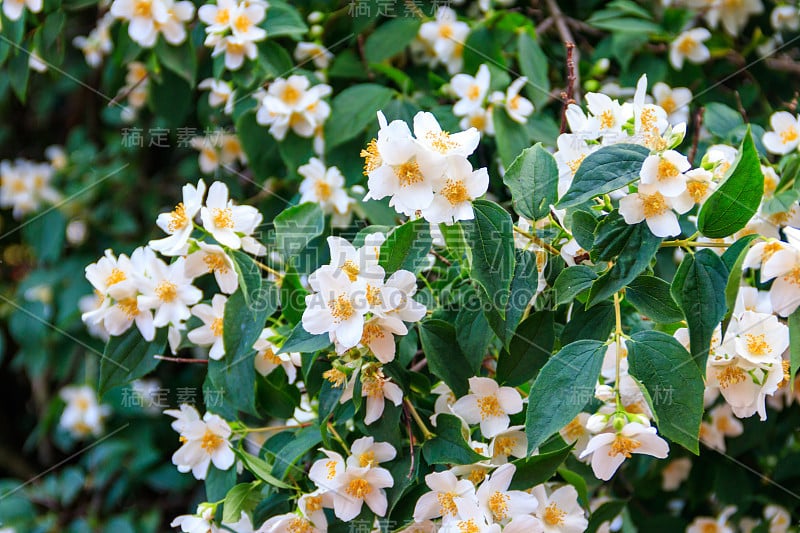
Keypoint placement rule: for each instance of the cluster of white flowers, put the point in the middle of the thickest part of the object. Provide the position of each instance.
(292, 103)
(441, 41)
(779, 261)
(475, 104)
(621, 426)
(232, 28)
(98, 43)
(325, 186)
(149, 18)
(203, 522)
(83, 415)
(785, 134)
(204, 441)
(217, 150)
(144, 290)
(220, 93)
(776, 519)
(355, 305)
(425, 174)
(26, 185)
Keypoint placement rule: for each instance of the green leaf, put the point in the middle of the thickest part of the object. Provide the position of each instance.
(449, 446)
(522, 290)
(128, 357)
(261, 470)
(18, 73)
(45, 234)
(293, 295)
(626, 24)
(583, 228)
(240, 498)
(296, 226)
(605, 513)
(301, 442)
(699, 290)
(475, 335)
(794, 345)
(219, 482)
(734, 203)
(651, 296)
(492, 243)
(560, 390)
(353, 109)
(537, 469)
(595, 323)
(283, 19)
(533, 181)
(571, 282)
(534, 65)
(300, 340)
(259, 145)
(608, 169)
(630, 247)
(445, 359)
(720, 119)
(390, 38)
(171, 99)
(406, 247)
(674, 385)
(512, 137)
(179, 59)
(529, 350)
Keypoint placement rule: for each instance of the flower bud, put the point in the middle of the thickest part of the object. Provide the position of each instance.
(315, 31)
(315, 17)
(619, 421)
(597, 423)
(604, 393)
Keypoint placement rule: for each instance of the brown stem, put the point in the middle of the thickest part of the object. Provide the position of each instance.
(181, 359)
(698, 123)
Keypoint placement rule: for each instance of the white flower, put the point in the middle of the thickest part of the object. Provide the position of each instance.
(703, 524)
(560, 512)
(13, 8)
(217, 17)
(178, 13)
(608, 115)
(675, 473)
(220, 93)
(722, 424)
(752, 299)
(471, 518)
(609, 450)
(25, 185)
(689, 45)
(734, 15)
(168, 290)
(232, 29)
(210, 333)
(212, 258)
(267, 358)
(83, 415)
(745, 388)
(143, 18)
(358, 486)
(377, 389)
(178, 223)
(204, 441)
(675, 101)
(325, 187)
(471, 91)
(443, 39)
(429, 134)
(481, 119)
(518, 107)
(289, 522)
(785, 135)
(440, 502)
(785, 17)
(312, 506)
(576, 432)
(650, 205)
(292, 103)
(510, 443)
(757, 338)
(365, 452)
(327, 473)
(488, 405)
(452, 200)
(778, 517)
(201, 522)
(501, 504)
(315, 52)
(334, 308)
(665, 171)
(227, 222)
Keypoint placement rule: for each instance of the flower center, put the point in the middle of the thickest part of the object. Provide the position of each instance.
(222, 17)
(331, 466)
(498, 504)
(367, 459)
(269, 355)
(622, 445)
(129, 306)
(211, 441)
(757, 344)
(142, 8)
(116, 276)
(575, 163)
(474, 92)
(223, 218)
(341, 308)
(686, 45)
(440, 141)
(668, 104)
(372, 332)
(373, 388)
(372, 158)
(447, 504)
(235, 48)
(242, 24)
(468, 526)
(351, 269)
(697, 190)
(553, 515)
(770, 248)
(648, 119)
(408, 173)
(445, 31)
(789, 135)
(574, 430)
(290, 95)
(478, 122)
(654, 204)
(313, 504)
(216, 263)
(477, 475)
(167, 291)
(177, 218)
(793, 276)
(335, 376)
(666, 170)
(373, 295)
(505, 445)
(299, 525)
(489, 406)
(730, 375)
(216, 327)
(455, 192)
(322, 189)
(607, 119)
(358, 488)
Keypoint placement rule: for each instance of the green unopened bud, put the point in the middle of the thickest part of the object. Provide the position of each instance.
(315, 17)
(619, 421)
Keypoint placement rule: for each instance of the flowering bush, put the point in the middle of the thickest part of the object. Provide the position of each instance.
(399, 266)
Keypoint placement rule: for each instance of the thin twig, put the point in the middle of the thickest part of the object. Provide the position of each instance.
(419, 365)
(573, 77)
(536, 240)
(181, 359)
(698, 123)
